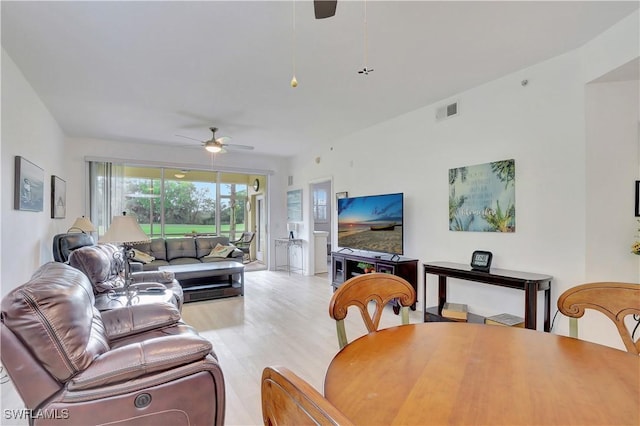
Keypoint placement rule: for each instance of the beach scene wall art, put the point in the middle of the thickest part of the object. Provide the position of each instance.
(482, 197)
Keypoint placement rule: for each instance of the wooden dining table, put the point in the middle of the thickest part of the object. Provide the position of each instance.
(473, 374)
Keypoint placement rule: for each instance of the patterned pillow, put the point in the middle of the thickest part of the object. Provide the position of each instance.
(140, 256)
(221, 251)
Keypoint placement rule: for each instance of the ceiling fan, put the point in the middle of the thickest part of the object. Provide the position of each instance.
(215, 145)
(324, 8)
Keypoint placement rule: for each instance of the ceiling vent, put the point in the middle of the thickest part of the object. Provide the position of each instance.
(447, 111)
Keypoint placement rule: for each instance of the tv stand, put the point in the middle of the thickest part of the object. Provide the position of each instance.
(345, 266)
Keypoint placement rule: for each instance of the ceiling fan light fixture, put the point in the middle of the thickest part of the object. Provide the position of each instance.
(213, 147)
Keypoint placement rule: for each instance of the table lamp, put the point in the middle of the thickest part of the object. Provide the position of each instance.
(82, 224)
(125, 230)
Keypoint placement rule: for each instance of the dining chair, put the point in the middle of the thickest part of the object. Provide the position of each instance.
(615, 300)
(289, 400)
(362, 289)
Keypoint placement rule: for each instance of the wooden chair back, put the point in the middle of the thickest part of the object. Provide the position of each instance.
(615, 300)
(289, 400)
(360, 290)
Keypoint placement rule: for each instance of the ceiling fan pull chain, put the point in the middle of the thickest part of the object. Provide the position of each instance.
(294, 81)
(366, 70)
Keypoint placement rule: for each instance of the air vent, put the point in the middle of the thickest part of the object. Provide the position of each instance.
(447, 111)
(290, 181)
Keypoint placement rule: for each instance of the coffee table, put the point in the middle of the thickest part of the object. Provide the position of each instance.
(201, 281)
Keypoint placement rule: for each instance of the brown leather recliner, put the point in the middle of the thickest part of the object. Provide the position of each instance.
(103, 264)
(136, 365)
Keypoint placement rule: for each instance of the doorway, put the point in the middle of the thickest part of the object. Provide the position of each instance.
(322, 212)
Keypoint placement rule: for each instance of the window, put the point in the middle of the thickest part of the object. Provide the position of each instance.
(320, 205)
(169, 202)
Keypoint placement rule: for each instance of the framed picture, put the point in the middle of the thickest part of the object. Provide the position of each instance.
(58, 198)
(638, 198)
(28, 191)
(294, 205)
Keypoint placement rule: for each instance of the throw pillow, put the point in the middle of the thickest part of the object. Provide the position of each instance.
(140, 256)
(221, 251)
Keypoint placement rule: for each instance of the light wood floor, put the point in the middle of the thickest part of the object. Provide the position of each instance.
(281, 320)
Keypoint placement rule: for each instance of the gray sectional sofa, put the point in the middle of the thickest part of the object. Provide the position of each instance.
(183, 251)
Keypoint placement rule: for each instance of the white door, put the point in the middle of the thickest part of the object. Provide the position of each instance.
(261, 228)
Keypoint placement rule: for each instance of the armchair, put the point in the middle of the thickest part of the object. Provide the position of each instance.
(64, 244)
(103, 264)
(137, 365)
(244, 244)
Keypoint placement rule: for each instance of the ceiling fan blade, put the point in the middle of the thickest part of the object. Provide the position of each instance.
(234, 146)
(223, 139)
(324, 8)
(187, 137)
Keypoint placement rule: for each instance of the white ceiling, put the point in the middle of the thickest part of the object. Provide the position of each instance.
(147, 71)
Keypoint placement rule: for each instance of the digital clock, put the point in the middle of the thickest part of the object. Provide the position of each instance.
(481, 260)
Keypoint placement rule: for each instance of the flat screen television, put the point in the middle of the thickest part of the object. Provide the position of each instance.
(372, 223)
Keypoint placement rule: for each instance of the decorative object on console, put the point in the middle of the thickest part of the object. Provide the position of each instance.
(58, 198)
(506, 320)
(482, 197)
(28, 192)
(481, 260)
(82, 224)
(635, 247)
(455, 311)
(125, 230)
(292, 227)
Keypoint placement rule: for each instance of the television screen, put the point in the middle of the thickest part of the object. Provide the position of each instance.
(372, 223)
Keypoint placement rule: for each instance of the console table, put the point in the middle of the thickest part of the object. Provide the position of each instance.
(288, 243)
(530, 283)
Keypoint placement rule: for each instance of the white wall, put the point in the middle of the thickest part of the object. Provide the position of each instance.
(28, 130)
(612, 112)
(543, 126)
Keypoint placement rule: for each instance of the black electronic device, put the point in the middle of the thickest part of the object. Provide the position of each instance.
(481, 260)
(372, 223)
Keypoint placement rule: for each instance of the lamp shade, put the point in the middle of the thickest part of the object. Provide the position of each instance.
(124, 229)
(82, 224)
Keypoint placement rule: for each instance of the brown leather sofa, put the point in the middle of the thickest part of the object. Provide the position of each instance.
(136, 365)
(104, 266)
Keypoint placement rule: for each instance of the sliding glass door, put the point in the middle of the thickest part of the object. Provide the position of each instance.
(171, 202)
